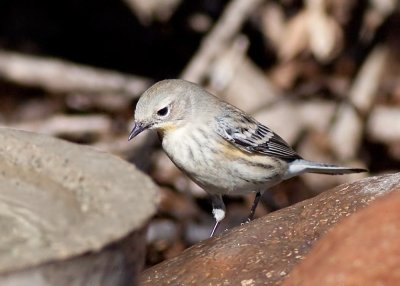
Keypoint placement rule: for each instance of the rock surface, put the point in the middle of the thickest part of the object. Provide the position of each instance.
(68, 213)
(266, 250)
(362, 250)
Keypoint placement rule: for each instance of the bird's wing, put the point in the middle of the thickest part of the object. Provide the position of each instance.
(248, 135)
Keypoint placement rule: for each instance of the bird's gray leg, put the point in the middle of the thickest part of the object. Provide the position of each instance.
(254, 206)
(218, 211)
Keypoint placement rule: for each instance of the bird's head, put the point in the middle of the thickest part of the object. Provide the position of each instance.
(165, 106)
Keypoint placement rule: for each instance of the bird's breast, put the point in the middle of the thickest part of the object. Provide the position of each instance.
(216, 165)
(185, 147)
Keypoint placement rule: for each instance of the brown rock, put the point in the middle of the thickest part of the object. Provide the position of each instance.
(265, 250)
(361, 250)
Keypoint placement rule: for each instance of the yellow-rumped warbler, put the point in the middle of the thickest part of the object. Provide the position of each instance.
(221, 148)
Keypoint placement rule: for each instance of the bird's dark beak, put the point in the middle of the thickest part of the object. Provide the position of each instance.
(137, 129)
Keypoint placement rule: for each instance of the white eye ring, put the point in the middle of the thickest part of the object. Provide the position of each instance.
(163, 111)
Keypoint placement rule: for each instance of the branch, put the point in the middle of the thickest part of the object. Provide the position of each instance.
(224, 31)
(58, 76)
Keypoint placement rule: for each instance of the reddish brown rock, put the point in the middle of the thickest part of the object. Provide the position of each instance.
(265, 250)
(364, 249)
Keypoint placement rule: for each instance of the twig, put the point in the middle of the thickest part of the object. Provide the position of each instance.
(223, 32)
(67, 125)
(58, 76)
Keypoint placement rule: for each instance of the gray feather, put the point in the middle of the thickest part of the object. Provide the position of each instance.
(301, 166)
(247, 134)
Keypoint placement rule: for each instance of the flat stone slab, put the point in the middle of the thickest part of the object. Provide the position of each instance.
(60, 200)
(264, 251)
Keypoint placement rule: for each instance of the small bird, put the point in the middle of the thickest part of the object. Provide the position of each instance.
(221, 148)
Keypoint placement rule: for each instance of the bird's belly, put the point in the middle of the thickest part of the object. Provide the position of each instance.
(235, 178)
(218, 172)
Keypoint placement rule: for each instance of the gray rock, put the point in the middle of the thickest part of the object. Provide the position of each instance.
(69, 215)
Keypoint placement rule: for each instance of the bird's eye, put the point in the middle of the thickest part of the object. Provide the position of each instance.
(163, 111)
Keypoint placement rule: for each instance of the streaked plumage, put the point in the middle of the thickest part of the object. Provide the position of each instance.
(221, 148)
(251, 136)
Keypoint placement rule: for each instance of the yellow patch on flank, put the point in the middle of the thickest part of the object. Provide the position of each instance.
(231, 151)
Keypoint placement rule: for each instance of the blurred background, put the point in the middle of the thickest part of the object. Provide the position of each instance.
(324, 74)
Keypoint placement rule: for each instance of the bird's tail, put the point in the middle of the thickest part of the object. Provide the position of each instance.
(300, 166)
